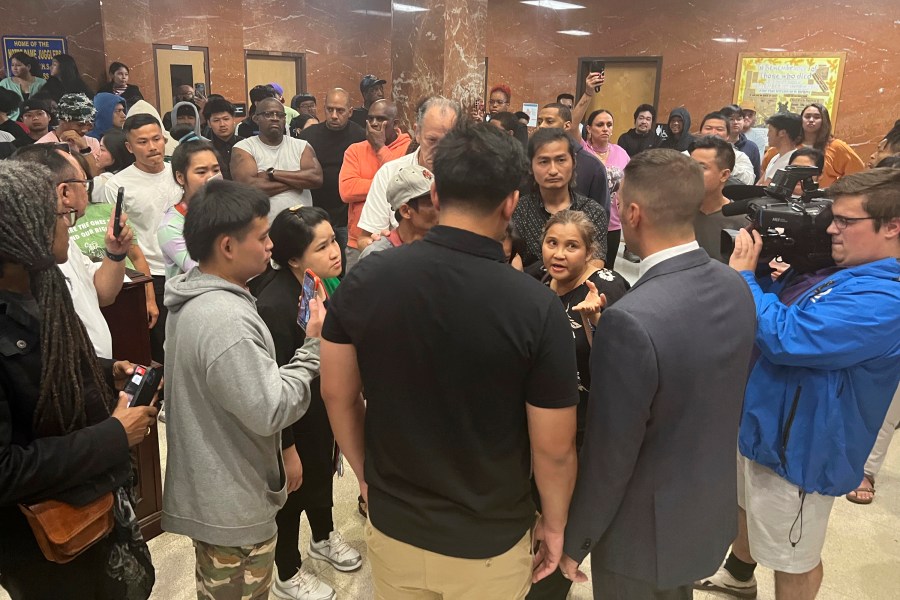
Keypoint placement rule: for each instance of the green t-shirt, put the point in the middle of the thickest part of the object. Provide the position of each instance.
(89, 232)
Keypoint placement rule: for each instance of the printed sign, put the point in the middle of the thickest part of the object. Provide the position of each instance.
(44, 48)
(773, 82)
(531, 109)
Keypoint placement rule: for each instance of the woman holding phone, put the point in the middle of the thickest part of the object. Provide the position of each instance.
(64, 435)
(303, 239)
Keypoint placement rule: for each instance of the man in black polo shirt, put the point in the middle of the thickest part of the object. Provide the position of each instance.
(469, 373)
(330, 139)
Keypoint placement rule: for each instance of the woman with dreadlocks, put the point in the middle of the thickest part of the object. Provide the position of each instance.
(63, 436)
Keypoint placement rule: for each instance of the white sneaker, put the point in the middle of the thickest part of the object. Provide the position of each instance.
(303, 586)
(723, 581)
(337, 552)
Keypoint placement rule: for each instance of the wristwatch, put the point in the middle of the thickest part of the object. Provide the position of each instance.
(85, 150)
(270, 173)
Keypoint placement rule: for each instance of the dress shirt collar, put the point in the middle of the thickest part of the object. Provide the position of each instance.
(658, 257)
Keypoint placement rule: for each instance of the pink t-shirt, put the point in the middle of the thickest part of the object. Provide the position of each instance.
(93, 143)
(615, 163)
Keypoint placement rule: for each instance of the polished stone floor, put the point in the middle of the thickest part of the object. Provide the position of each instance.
(861, 556)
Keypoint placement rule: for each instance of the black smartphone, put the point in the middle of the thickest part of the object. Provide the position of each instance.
(597, 66)
(141, 388)
(310, 285)
(117, 224)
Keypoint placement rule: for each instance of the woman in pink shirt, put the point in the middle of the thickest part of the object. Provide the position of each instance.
(614, 158)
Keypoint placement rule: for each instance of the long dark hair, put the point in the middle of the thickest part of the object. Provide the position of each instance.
(114, 140)
(69, 365)
(33, 64)
(824, 136)
(69, 78)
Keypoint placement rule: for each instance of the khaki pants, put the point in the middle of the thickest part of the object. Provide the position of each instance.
(403, 572)
(879, 451)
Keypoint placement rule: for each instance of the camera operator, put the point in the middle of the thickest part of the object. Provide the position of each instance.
(828, 346)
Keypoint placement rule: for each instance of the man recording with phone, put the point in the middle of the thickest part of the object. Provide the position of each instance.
(827, 364)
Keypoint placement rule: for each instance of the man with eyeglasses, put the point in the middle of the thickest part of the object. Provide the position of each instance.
(91, 284)
(285, 168)
(827, 366)
(305, 104)
(736, 136)
(384, 142)
(330, 140)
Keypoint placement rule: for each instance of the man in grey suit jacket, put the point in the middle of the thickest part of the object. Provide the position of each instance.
(656, 499)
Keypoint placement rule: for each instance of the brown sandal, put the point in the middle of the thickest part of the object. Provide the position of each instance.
(854, 495)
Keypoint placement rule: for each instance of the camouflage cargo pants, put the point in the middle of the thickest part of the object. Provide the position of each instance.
(234, 572)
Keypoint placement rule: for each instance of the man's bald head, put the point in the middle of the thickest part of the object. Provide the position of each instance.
(383, 116)
(337, 109)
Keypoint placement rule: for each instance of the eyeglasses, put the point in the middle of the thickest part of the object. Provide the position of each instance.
(307, 105)
(494, 102)
(841, 223)
(70, 216)
(276, 115)
(87, 183)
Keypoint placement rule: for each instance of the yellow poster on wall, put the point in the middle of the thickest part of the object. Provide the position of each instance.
(772, 82)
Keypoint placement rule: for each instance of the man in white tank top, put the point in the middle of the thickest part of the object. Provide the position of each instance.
(283, 167)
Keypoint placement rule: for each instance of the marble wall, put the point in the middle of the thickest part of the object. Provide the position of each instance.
(342, 39)
(441, 49)
(526, 52)
(78, 20)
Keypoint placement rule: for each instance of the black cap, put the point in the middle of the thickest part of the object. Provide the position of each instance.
(302, 98)
(370, 81)
(36, 104)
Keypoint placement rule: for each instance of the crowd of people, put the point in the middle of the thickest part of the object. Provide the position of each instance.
(507, 400)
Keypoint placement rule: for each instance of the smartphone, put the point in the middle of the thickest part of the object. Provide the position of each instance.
(200, 89)
(597, 66)
(117, 224)
(141, 388)
(311, 283)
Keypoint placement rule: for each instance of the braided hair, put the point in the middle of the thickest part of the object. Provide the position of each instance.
(69, 366)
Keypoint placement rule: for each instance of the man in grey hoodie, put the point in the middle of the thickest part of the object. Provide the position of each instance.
(227, 399)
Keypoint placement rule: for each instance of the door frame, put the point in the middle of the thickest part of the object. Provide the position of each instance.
(584, 64)
(299, 62)
(176, 47)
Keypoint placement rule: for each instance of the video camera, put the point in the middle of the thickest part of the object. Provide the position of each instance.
(792, 228)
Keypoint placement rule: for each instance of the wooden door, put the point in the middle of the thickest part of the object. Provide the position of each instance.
(285, 70)
(179, 65)
(630, 81)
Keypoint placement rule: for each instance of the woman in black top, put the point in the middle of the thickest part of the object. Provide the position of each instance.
(65, 79)
(303, 239)
(118, 84)
(63, 436)
(568, 244)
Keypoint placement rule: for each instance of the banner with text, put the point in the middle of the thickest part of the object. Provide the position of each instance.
(44, 48)
(772, 82)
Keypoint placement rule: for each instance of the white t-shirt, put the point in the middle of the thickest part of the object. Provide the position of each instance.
(147, 197)
(376, 214)
(283, 157)
(778, 162)
(79, 272)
